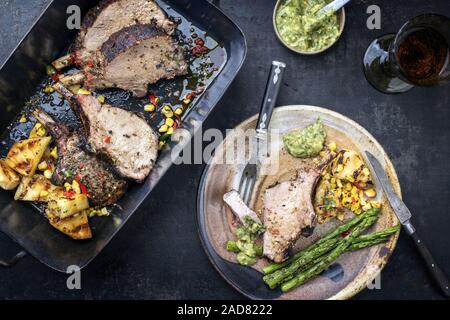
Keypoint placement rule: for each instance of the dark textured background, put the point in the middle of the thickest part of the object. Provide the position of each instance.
(158, 253)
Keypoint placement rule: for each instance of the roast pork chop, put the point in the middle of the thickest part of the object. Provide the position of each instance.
(123, 137)
(131, 59)
(103, 185)
(107, 18)
(289, 212)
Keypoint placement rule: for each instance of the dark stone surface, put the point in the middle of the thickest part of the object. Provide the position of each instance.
(158, 253)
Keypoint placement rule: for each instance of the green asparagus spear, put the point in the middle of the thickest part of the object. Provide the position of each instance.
(378, 234)
(336, 232)
(364, 244)
(342, 246)
(273, 279)
(376, 238)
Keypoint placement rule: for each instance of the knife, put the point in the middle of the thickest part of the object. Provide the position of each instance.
(404, 216)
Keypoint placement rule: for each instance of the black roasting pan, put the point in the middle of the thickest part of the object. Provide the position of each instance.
(23, 73)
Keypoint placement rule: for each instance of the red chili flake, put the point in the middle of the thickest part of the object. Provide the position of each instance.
(90, 63)
(83, 188)
(198, 50)
(69, 194)
(153, 99)
(55, 77)
(107, 139)
(200, 42)
(191, 95)
(77, 178)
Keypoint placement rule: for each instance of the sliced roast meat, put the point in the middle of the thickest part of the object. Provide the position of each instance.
(107, 18)
(288, 210)
(133, 58)
(104, 187)
(123, 137)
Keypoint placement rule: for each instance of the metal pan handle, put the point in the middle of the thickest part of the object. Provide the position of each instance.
(12, 261)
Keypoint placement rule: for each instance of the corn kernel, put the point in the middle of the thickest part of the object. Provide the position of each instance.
(76, 186)
(54, 153)
(101, 99)
(167, 111)
(178, 111)
(339, 168)
(163, 128)
(187, 101)
(332, 146)
(41, 132)
(350, 178)
(169, 122)
(375, 204)
(42, 165)
(370, 193)
(49, 89)
(366, 171)
(322, 153)
(83, 91)
(48, 174)
(366, 207)
(103, 212)
(43, 193)
(68, 186)
(161, 144)
(23, 119)
(38, 125)
(149, 107)
(170, 130)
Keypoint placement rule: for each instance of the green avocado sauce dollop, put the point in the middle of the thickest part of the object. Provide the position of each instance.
(300, 27)
(307, 142)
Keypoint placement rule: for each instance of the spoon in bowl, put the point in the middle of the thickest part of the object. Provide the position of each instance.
(333, 6)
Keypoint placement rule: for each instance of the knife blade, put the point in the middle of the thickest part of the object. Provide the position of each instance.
(404, 216)
(400, 209)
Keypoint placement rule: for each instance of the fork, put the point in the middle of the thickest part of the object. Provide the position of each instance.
(251, 170)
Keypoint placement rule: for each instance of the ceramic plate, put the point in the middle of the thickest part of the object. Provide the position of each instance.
(353, 271)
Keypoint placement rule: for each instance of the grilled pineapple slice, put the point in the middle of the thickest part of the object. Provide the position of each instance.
(37, 188)
(9, 179)
(76, 226)
(24, 156)
(64, 207)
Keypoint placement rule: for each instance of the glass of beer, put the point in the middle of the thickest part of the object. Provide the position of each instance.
(418, 55)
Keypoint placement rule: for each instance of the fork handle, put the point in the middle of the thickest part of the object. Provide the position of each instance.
(270, 98)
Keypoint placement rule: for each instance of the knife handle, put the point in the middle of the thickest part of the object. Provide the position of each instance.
(437, 273)
(270, 98)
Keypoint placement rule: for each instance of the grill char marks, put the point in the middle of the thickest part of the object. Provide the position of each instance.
(134, 57)
(103, 185)
(111, 16)
(127, 38)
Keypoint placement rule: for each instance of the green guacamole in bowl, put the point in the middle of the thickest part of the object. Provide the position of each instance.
(301, 29)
